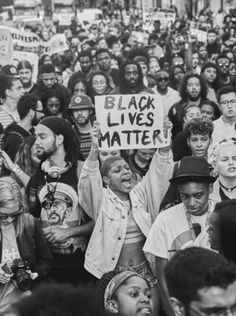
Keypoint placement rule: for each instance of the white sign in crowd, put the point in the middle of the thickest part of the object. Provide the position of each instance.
(131, 121)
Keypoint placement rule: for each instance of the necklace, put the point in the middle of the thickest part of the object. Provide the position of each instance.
(227, 189)
(191, 225)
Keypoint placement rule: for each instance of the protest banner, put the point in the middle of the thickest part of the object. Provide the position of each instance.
(166, 17)
(32, 58)
(131, 121)
(57, 44)
(22, 40)
(6, 47)
(138, 37)
(199, 34)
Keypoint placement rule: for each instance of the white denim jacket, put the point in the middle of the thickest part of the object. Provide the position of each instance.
(108, 211)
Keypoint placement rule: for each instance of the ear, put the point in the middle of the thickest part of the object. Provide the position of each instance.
(112, 306)
(188, 142)
(7, 92)
(106, 180)
(210, 187)
(59, 139)
(178, 307)
(31, 113)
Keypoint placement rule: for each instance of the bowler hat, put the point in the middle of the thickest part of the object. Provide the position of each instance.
(193, 168)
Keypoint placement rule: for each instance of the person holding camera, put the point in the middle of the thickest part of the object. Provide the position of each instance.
(24, 252)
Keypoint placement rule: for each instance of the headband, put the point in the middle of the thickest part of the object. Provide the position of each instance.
(115, 282)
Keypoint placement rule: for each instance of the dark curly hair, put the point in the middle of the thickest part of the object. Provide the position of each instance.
(183, 87)
(200, 126)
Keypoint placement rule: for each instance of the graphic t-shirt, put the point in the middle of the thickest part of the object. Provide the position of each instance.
(9, 245)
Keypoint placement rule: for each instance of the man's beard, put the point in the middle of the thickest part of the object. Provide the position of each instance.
(26, 84)
(83, 123)
(192, 98)
(46, 154)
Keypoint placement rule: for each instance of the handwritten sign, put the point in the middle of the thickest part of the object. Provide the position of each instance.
(199, 34)
(6, 47)
(131, 121)
(22, 40)
(56, 44)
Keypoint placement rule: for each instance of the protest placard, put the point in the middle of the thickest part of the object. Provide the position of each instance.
(199, 34)
(32, 58)
(6, 47)
(138, 37)
(166, 17)
(22, 40)
(57, 44)
(131, 121)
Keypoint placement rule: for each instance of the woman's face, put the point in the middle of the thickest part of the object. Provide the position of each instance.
(99, 84)
(153, 67)
(47, 60)
(178, 74)
(210, 74)
(192, 112)
(134, 298)
(33, 155)
(9, 214)
(104, 154)
(232, 69)
(208, 111)
(79, 88)
(53, 106)
(213, 233)
(226, 161)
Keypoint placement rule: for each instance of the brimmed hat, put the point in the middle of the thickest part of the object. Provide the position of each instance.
(193, 168)
(79, 102)
(9, 70)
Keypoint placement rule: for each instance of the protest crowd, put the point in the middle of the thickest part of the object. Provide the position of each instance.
(118, 165)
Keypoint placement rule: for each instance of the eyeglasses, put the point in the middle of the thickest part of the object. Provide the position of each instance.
(3, 217)
(217, 311)
(225, 64)
(165, 79)
(40, 111)
(227, 102)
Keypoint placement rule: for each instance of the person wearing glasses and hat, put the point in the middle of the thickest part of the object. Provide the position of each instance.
(81, 111)
(184, 224)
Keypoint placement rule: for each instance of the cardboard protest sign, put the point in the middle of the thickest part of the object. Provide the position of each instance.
(199, 34)
(56, 44)
(166, 17)
(6, 47)
(131, 121)
(138, 37)
(32, 58)
(22, 40)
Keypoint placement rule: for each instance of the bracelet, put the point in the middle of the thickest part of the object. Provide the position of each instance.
(15, 169)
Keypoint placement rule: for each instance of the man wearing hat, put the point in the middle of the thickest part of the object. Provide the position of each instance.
(81, 111)
(52, 193)
(185, 224)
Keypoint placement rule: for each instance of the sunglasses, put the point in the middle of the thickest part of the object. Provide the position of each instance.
(3, 217)
(165, 79)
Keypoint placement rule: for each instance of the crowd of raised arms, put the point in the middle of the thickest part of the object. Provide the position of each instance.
(130, 229)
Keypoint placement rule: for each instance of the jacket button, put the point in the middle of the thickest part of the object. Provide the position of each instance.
(113, 258)
(123, 217)
(119, 238)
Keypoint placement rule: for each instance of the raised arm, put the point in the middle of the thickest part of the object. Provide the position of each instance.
(90, 186)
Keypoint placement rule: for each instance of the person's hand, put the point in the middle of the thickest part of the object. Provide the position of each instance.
(55, 234)
(8, 163)
(5, 277)
(95, 134)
